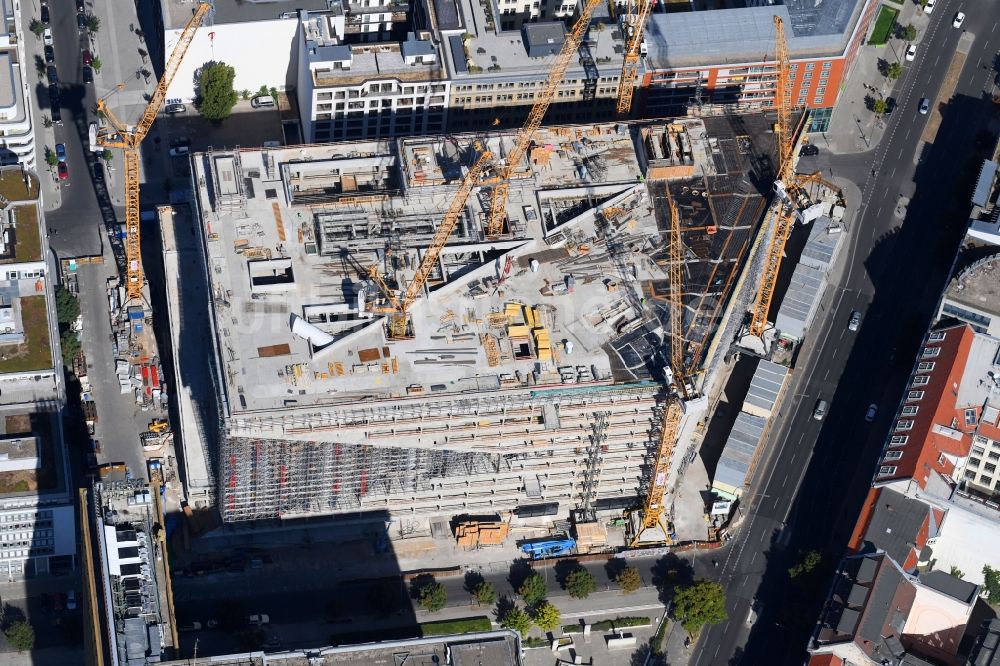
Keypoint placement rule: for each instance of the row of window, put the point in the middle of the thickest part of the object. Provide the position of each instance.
(983, 480)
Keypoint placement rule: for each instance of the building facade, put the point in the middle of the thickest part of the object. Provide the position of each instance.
(17, 135)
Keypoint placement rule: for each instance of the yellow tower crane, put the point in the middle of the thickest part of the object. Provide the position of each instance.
(634, 23)
(120, 135)
(652, 512)
(568, 52)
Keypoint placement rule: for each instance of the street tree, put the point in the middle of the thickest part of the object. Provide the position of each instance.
(629, 580)
(107, 155)
(93, 23)
(513, 617)
(432, 596)
(808, 561)
(70, 344)
(533, 589)
(581, 583)
(894, 71)
(880, 106)
(216, 96)
(51, 160)
(20, 636)
(67, 305)
(36, 27)
(96, 64)
(909, 32)
(698, 604)
(485, 593)
(546, 616)
(956, 572)
(991, 584)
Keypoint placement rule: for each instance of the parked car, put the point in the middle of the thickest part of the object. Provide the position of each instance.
(61, 152)
(52, 74)
(872, 411)
(47, 37)
(50, 54)
(98, 178)
(959, 20)
(259, 619)
(71, 600)
(855, 322)
(63, 171)
(88, 75)
(178, 141)
(189, 626)
(929, 7)
(179, 151)
(87, 58)
(58, 601)
(820, 410)
(56, 113)
(808, 150)
(890, 105)
(45, 14)
(911, 53)
(79, 5)
(925, 105)
(174, 108)
(81, 21)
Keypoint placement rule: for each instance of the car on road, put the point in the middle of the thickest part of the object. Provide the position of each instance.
(808, 150)
(179, 151)
(88, 75)
(45, 14)
(179, 141)
(855, 321)
(56, 113)
(58, 601)
(71, 600)
(959, 20)
(63, 171)
(98, 178)
(929, 7)
(911, 53)
(52, 74)
(47, 36)
(820, 410)
(87, 58)
(174, 108)
(81, 21)
(79, 5)
(50, 54)
(259, 619)
(925, 105)
(61, 152)
(872, 411)
(189, 626)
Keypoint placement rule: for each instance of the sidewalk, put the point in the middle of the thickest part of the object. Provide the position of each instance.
(853, 127)
(45, 137)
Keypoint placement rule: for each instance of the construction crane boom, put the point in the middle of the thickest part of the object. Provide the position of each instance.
(635, 22)
(498, 197)
(129, 139)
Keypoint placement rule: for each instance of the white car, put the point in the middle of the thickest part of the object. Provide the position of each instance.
(929, 7)
(47, 37)
(911, 52)
(959, 19)
(259, 619)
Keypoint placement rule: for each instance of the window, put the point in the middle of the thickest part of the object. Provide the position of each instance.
(899, 440)
(893, 455)
(821, 90)
(990, 467)
(970, 417)
(886, 470)
(993, 455)
(931, 352)
(817, 100)
(810, 66)
(978, 450)
(904, 424)
(936, 336)
(913, 396)
(985, 480)
(921, 380)
(925, 366)
(975, 462)
(910, 410)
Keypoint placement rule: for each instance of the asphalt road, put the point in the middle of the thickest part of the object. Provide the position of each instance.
(810, 491)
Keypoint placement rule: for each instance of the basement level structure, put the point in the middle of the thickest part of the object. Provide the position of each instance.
(535, 367)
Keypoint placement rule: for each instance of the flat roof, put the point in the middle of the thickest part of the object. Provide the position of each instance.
(978, 285)
(739, 450)
(177, 12)
(766, 385)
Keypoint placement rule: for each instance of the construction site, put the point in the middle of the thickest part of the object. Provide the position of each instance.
(530, 372)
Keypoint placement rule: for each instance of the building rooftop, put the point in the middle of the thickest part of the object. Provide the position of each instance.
(892, 522)
(739, 451)
(292, 234)
(952, 586)
(177, 12)
(978, 285)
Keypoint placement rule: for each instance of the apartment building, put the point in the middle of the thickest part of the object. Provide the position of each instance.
(370, 89)
(17, 137)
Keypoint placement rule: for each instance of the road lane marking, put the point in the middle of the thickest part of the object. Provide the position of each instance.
(893, 172)
(907, 133)
(785, 482)
(994, 28)
(936, 60)
(827, 375)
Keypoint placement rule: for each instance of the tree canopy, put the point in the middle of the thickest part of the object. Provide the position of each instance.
(580, 583)
(433, 597)
(21, 636)
(515, 618)
(546, 616)
(629, 580)
(701, 603)
(991, 584)
(533, 589)
(485, 593)
(216, 96)
(67, 305)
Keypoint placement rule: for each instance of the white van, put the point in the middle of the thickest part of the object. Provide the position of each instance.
(263, 100)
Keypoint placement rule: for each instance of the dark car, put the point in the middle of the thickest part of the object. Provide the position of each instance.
(98, 178)
(50, 54)
(808, 150)
(79, 5)
(54, 95)
(88, 59)
(890, 105)
(88, 75)
(45, 14)
(179, 141)
(56, 113)
(52, 75)
(81, 21)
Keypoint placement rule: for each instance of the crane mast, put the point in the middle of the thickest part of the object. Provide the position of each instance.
(498, 197)
(121, 136)
(635, 23)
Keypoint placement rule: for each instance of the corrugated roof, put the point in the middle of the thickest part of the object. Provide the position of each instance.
(765, 385)
(803, 292)
(819, 248)
(984, 185)
(739, 449)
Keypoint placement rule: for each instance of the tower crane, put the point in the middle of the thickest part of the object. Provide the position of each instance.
(120, 135)
(635, 25)
(399, 305)
(789, 186)
(652, 512)
(498, 196)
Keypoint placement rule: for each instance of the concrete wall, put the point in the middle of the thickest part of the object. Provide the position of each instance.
(262, 52)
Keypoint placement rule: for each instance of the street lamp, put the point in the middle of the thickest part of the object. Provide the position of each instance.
(861, 129)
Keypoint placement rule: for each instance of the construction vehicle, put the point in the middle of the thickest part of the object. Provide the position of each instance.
(569, 52)
(788, 186)
(120, 135)
(158, 425)
(398, 307)
(554, 546)
(634, 27)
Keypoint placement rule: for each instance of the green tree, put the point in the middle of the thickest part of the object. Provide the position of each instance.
(93, 23)
(894, 70)
(51, 160)
(67, 305)
(991, 584)
(36, 27)
(516, 619)
(701, 603)
(107, 155)
(581, 583)
(546, 616)
(533, 589)
(629, 580)
(216, 96)
(880, 106)
(96, 64)
(908, 32)
(956, 572)
(485, 593)
(808, 561)
(432, 597)
(70, 344)
(21, 636)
